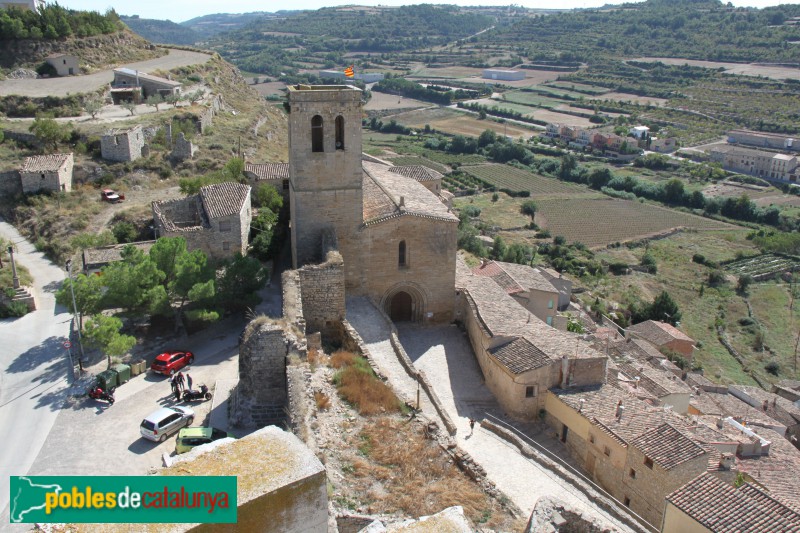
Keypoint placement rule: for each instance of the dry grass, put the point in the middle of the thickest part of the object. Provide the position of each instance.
(343, 358)
(318, 357)
(398, 469)
(322, 400)
(359, 386)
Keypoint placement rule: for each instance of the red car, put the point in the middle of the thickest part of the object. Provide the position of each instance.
(109, 195)
(168, 363)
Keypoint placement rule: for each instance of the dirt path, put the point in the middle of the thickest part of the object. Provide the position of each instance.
(91, 82)
(136, 197)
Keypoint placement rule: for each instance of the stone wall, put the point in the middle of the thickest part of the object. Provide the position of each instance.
(10, 183)
(183, 148)
(322, 295)
(55, 181)
(123, 145)
(261, 394)
(22, 137)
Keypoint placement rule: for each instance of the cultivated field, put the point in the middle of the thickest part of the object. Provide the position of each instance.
(514, 179)
(599, 222)
(744, 69)
(580, 87)
(455, 122)
(625, 97)
(381, 101)
(266, 89)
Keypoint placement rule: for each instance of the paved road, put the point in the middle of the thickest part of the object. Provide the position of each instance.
(444, 353)
(33, 367)
(91, 82)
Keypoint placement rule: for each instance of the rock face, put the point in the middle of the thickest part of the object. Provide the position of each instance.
(553, 515)
(261, 396)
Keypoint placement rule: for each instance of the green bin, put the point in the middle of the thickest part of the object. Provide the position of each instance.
(123, 373)
(107, 379)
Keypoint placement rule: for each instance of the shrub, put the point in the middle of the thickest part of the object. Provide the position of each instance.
(716, 278)
(472, 211)
(528, 207)
(13, 309)
(124, 232)
(773, 368)
(699, 259)
(495, 196)
(746, 321)
(322, 400)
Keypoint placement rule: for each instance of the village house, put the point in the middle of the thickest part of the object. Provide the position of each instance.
(639, 132)
(665, 336)
(217, 220)
(64, 64)
(663, 145)
(526, 285)
(780, 409)
(132, 85)
(94, 259)
(759, 163)
(707, 504)
(665, 387)
(122, 145)
(51, 172)
(275, 175)
(787, 388)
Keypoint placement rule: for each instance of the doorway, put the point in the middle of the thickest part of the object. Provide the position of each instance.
(401, 309)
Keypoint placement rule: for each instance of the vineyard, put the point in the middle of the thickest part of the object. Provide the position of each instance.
(461, 182)
(516, 180)
(763, 266)
(599, 222)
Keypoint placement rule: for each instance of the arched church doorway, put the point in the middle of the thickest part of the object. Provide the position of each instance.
(401, 308)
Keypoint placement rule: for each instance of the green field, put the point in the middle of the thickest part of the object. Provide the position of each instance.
(514, 179)
(527, 98)
(579, 87)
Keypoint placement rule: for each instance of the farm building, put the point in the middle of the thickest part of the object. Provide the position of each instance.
(122, 145)
(65, 65)
(763, 164)
(505, 75)
(133, 85)
(51, 172)
(760, 139)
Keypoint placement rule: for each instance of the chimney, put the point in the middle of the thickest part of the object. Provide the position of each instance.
(620, 409)
(402, 201)
(564, 372)
(726, 461)
(766, 405)
(581, 401)
(719, 423)
(636, 382)
(774, 401)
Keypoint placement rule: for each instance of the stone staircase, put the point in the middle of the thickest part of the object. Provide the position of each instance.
(24, 295)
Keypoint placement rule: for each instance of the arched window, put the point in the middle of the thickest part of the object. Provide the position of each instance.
(316, 134)
(401, 254)
(340, 133)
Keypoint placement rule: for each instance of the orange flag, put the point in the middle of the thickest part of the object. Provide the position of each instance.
(349, 72)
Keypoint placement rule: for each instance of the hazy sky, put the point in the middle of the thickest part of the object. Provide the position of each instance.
(181, 10)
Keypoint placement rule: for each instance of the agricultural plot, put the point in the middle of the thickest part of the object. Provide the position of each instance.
(556, 92)
(599, 222)
(579, 87)
(633, 98)
(455, 122)
(745, 69)
(516, 180)
(529, 98)
(763, 266)
(381, 101)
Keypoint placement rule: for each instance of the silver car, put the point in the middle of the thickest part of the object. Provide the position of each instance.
(160, 424)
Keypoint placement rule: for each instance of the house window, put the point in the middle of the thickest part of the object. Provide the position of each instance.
(648, 462)
(530, 391)
(550, 304)
(285, 185)
(550, 321)
(401, 254)
(226, 246)
(627, 501)
(632, 473)
(316, 134)
(607, 451)
(225, 225)
(340, 133)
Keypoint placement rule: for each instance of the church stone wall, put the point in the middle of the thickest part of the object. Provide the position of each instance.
(323, 295)
(430, 245)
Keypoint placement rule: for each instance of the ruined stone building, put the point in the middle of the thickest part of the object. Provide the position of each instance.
(132, 85)
(217, 220)
(122, 145)
(397, 238)
(52, 172)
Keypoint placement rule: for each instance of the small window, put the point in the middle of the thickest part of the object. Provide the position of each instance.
(648, 462)
(339, 133)
(316, 134)
(550, 321)
(285, 185)
(401, 254)
(627, 501)
(550, 304)
(530, 392)
(226, 246)
(225, 225)
(607, 451)
(632, 473)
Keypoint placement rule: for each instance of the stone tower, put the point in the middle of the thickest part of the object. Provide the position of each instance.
(325, 173)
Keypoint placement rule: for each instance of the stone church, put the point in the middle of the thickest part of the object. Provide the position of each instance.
(397, 238)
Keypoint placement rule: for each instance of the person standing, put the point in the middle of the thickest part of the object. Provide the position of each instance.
(188, 381)
(180, 381)
(172, 383)
(471, 425)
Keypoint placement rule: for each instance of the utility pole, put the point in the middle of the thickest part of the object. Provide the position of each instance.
(75, 312)
(14, 277)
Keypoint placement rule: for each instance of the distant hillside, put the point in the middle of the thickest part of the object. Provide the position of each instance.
(161, 31)
(692, 29)
(210, 25)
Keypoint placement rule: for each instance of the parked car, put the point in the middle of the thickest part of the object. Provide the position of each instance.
(109, 195)
(168, 363)
(188, 438)
(160, 424)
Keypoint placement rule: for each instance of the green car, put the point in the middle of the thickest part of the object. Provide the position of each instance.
(188, 438)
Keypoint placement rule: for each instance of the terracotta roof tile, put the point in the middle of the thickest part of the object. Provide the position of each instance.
(722, 508)
(667, 446)
(777, 470)
(109, 254)
(45, 163)
(223, 199)
(659, 382)
(268, 171)
(520, 355)
(417, 172)
(492, 269)
(659, 333)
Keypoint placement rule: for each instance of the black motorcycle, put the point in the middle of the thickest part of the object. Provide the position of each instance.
(96, 393)
(192, 395)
